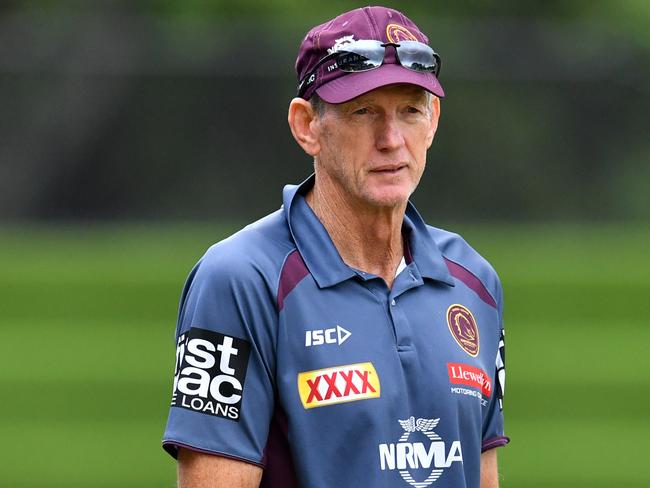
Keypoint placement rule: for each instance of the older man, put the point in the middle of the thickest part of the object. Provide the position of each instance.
(341, 341)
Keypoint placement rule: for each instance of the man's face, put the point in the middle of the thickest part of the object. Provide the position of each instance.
(373, 148)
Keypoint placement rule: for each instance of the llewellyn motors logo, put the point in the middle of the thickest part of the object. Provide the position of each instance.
(210, 373)
(462, 326)
(420, 455)
(478, 381)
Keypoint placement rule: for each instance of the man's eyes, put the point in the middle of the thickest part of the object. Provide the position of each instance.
(411, 109)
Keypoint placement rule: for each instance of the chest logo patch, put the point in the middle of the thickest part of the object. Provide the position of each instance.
(335, 335)
(463, 328)
(478, 381)
(420, 455)
(339, 384)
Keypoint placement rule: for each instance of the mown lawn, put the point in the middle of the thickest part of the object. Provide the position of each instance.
(87, 350)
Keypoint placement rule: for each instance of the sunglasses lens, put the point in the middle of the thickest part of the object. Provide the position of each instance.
(360, 56)
(355, 62)
(367, 54)
(418, 57)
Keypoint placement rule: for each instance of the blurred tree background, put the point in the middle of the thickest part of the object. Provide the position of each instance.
(174, 110)
(135, 134)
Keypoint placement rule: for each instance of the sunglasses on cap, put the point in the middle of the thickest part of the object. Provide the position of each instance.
(368, 54)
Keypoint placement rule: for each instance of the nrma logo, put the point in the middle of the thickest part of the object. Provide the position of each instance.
(423, 459)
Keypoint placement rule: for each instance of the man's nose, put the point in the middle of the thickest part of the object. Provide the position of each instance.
(389, 134)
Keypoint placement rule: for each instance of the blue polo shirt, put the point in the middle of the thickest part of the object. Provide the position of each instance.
(290, 359)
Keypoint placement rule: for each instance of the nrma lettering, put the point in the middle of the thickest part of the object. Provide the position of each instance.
(407, 455)
(420, 455)
(210, 372)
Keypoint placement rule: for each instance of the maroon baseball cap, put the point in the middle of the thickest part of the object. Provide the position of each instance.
(372, 23)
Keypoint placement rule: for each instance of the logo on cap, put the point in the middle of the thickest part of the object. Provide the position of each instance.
(397, 33)
(340, 43)
(462, 326)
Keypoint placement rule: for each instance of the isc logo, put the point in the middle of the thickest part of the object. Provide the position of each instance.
(210, 372)
(338, 385)
(335, 335)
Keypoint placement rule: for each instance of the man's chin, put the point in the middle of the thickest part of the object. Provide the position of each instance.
(389, 198)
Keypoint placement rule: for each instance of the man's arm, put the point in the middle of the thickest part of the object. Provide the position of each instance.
(489, 472)
(199, 470)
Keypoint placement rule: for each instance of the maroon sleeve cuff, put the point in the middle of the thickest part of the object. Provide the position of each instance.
(494, 442)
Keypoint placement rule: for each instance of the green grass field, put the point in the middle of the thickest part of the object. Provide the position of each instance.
(87, 351)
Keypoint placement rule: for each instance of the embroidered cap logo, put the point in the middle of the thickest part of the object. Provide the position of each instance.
(397, 33)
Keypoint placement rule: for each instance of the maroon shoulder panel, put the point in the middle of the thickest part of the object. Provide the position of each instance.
(293, 271)
(463, 274)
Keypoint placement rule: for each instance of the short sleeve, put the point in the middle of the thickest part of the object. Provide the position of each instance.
(223, 388)
(493, 428)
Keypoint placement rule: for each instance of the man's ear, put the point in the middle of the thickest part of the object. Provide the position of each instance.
(435, 116)
(303, 122)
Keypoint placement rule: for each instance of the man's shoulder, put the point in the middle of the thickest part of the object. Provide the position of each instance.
(459, 255)
(238, 275)
(259, 249)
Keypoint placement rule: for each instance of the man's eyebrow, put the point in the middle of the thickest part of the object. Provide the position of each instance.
(353, 105)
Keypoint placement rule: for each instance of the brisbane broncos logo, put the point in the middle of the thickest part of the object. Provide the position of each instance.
(397, 33)
(462, 326)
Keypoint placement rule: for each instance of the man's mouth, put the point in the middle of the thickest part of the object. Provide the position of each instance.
(389, 168)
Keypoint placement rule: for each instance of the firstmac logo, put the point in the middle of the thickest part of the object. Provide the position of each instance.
(338, 384)
(210, 373)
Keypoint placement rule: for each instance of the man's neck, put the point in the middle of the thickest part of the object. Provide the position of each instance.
(367, 238)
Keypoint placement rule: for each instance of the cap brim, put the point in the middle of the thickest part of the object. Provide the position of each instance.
(349, 86)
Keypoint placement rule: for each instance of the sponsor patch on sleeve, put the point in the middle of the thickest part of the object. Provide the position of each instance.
(501, 369)
(210, 372)
(338, 384)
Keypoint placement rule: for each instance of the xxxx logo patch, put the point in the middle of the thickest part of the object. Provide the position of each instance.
(338, 384)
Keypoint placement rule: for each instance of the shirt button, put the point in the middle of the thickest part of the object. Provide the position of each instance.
(393, 302)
